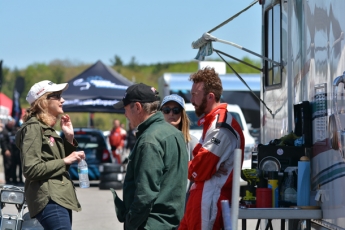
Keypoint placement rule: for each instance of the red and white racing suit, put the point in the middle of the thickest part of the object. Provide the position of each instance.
(221, 136)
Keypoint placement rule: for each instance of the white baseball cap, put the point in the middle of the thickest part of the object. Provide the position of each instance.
(42, 87)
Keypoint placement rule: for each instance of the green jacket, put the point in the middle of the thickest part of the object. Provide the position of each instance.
(42, 151)
(154, 189)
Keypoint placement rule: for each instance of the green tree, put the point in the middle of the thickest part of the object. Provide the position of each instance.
(133, 64)
(62, 71)
(58, 73)
(116, 61)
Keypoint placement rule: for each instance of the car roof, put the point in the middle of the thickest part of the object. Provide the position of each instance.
(87, 129)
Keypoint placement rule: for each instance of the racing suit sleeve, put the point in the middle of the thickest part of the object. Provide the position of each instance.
(149, 172)
(207, 157)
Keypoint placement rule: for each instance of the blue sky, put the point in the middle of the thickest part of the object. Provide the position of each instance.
(152, 31)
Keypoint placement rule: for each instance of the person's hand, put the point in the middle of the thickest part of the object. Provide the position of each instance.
(222, 170)
(7, 153)
(74, 156)
(67, 127)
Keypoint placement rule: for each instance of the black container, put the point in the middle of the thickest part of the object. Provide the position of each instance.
(283, 156)
(303, 122)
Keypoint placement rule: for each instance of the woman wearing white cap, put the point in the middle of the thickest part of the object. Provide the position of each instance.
(174, 112)
(46, 157)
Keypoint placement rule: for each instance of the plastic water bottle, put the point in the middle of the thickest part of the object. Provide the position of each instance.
(83, 172)
(290, 192)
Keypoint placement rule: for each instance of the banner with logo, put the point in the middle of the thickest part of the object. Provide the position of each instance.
(16, 108)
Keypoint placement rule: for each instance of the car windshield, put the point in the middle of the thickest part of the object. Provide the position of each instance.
(87, 141)
(194, 119)
(92, 144)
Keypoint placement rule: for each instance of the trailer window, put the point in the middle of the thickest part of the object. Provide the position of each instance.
(273, 45)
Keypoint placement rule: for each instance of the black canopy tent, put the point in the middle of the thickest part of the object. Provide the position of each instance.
(96, 89)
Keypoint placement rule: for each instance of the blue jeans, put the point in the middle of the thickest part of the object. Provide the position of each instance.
(55, 217)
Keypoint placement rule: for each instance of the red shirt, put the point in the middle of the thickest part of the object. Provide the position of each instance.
(115, 137)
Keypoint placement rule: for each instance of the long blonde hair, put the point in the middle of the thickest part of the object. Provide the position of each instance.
(39, 109)
(184, 125)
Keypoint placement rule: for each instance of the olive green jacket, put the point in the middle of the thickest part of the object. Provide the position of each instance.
(42, 151)
(154, 189)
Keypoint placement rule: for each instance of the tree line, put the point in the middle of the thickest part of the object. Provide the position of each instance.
(60, 71)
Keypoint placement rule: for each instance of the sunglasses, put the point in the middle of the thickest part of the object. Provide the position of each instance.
(54, 96)
(175, 110)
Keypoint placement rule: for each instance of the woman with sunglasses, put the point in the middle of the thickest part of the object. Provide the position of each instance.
(49, 191)
(174, 113)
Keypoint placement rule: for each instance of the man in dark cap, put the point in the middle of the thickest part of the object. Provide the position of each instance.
(156, 177)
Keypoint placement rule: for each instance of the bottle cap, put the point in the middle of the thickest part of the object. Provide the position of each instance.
(304, 158)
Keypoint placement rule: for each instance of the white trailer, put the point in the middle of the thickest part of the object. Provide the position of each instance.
(303, 53)
(307, 37)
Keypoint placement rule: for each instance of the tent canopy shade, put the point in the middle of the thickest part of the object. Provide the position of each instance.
(96, 89)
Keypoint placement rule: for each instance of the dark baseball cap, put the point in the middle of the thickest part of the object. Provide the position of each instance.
(138, 93)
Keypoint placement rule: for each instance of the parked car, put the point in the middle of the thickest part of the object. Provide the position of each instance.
(97, 151)
(236, 112)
